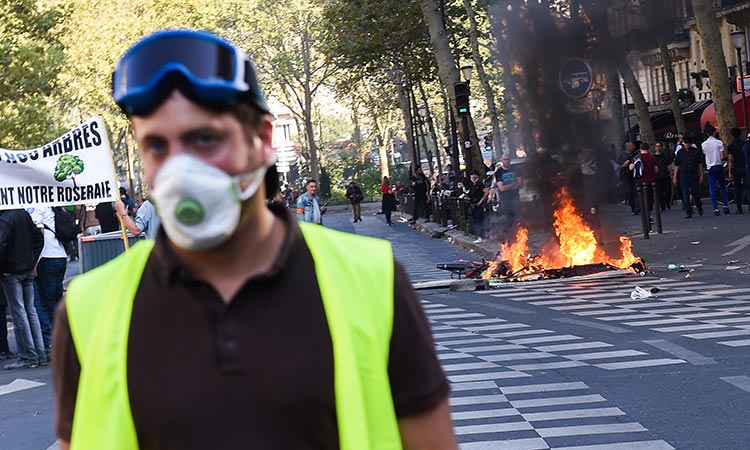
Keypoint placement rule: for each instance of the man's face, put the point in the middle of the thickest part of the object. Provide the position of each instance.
(312, 188)
(505, 161)
(474, 177)
(657, 148)
(180, 126)
(629, 148)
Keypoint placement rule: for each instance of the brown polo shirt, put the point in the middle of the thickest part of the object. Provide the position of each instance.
(254, 373)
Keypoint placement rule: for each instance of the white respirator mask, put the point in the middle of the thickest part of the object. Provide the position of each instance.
(199, 204)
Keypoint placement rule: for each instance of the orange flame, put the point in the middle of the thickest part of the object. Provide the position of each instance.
(575, 245)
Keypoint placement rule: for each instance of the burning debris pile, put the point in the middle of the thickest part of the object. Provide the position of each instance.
(574, 252)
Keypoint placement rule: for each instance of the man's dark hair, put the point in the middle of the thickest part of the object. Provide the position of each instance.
(735, 132)
(474, 172)
(709, 129)
(645, 146)
(689, 138)
(310, 181)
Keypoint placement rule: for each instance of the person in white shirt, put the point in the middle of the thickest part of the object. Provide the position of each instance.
(713, 149)
(50, 270)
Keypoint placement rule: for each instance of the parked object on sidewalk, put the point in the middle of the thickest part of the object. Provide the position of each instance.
(640, 294)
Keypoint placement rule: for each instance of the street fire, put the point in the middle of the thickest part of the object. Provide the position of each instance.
(575, 250)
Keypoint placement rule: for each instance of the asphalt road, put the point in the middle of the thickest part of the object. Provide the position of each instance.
(562, 365)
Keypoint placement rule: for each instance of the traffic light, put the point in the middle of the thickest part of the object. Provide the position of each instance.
(462, 97)
(488, 142)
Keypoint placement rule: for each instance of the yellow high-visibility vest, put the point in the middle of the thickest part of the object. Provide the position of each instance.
(355, 276)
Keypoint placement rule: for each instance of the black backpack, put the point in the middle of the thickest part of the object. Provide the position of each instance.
(66, 229)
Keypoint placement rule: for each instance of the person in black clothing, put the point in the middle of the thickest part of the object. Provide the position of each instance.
(105, 214)
(354, 194)
(420, 185)
(737, 172)
(626, 176)
(21, 243)
(663, 179)
(688, 171)
(478, 193)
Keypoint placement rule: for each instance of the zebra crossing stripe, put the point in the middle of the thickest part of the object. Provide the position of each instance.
(546, 387)
(502, 326)
(453, 316)
(477, 400)
(579, 430)
(473, 386)
(739, 343)
(718, 334)
(573, 414)
(744, 319)
(510, 444)
(662, 321)
(469, 366)
(452, 334)
(536, 340)
(604, 312)
(681, 352)
(491, 348)
(509, 334)
(640, 445)
(459, 323)
(485, 414)
(487, 376)
(555, 401)
(576, 346)
(695, 327)
(492, 428)
(639, 363)
(577, 307)
(474, 340)
(716, 304)
(629, 317)
(604, 355)
(547, 366)
(705, 314)
(446, 356)
(517, 356)
(740, 381)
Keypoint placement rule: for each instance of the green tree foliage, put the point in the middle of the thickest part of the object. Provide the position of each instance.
(31, 55)
(68, 166)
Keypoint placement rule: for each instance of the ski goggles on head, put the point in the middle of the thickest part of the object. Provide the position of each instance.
(211, 71)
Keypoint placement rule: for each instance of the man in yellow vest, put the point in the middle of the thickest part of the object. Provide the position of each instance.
(237, 327)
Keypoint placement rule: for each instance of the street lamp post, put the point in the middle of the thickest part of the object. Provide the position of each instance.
(466, 72)
(738, 39)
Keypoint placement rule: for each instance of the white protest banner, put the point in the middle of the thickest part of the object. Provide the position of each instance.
(74, 169)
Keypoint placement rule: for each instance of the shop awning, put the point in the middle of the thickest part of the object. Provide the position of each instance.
(709, 114)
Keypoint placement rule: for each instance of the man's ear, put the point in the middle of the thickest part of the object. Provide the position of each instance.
(265, 134)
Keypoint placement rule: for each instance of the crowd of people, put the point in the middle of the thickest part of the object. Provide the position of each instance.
(35, 256)
(679, 172)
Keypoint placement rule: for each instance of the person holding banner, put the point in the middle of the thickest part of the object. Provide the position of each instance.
(146, 219)
(227, 330)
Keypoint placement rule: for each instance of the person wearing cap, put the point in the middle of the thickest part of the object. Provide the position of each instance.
(713, 149)
(688, 175)
(237, 327)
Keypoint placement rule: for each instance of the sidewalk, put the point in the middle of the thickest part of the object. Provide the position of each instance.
(702, 241)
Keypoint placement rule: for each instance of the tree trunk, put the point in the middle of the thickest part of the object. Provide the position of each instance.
(309, 129)
(674, 101)
(708, 28)
(448, 73)
(641, 107)
(617, 124)
(405, 105)
(497, 142)
(431, 127)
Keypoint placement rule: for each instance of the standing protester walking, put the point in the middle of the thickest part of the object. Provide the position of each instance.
(688, 172)
(21, 244)
(645, 169)
(284, 335)
(420, 185)
(308, 205)
(508, 182)
(737, 173)
(626, 177)
(50, 270)
(388, 204)
(713, 149)
(478, 193)
(663, 176)
(354, 194)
